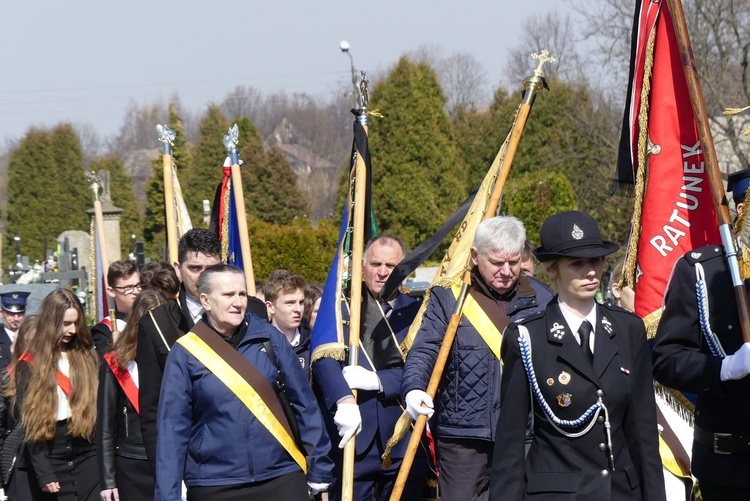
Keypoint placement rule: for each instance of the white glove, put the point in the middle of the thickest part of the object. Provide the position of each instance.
(348, 421)
(109, 495)
(414, 400)
(359, 378)
(736, 366)
(316, 488)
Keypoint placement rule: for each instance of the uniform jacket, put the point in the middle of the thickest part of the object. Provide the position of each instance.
(208, 437)
(174, 320)
(469, 397)
(683, 361)
(118, 429)
(5, 352)
(379, 410)
(302, 350)
(561, 468)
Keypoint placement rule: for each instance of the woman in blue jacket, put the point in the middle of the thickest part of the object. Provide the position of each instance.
(222, 444)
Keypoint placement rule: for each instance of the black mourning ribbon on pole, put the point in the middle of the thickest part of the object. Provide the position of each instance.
(425, 249)
(624, 182)
(362, 148)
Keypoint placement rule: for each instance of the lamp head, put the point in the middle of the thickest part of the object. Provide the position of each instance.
(344, 46)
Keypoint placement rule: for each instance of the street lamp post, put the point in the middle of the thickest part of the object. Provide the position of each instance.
(344, 46)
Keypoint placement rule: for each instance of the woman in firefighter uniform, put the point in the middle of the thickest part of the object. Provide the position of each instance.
(579, 374)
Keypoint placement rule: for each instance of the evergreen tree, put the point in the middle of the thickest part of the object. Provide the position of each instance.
(205, 164)
(47, 190)
(417, 181)
(269, 182)
(123, 196)
(568, 134)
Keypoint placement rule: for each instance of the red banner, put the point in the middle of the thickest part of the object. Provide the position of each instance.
(678, 213)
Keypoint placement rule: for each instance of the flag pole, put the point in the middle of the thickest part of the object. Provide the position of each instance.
(712, 163)
(355, 308)
(532, 85)
(167, 137)
(96, 184)
(230, 142)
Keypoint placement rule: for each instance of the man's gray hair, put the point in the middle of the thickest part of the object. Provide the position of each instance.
(505, 234)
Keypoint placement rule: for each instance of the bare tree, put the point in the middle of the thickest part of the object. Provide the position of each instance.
(242, 102)
(91, 143)
(552, 32)
(464, 80)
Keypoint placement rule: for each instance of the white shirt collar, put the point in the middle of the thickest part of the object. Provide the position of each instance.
(195, 308)
(296, 339)
(574, 322)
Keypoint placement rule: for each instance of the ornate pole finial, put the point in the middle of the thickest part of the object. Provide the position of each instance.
(166, 136)
(543, 58)
(230, 142)
(364, 95)
(96, 183)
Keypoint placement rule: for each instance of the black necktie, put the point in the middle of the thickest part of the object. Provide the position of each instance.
(584, 332)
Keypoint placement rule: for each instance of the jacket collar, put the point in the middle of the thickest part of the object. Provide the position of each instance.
(605, 348)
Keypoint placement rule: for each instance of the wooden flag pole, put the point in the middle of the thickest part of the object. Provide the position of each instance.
(167, 136)
(230, 141)
(712, 163)
(355, 308)
(532, 85)
(96, 184)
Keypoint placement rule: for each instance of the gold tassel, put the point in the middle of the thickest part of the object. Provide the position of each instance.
(746, 132)
(403, 425)
(734, 111)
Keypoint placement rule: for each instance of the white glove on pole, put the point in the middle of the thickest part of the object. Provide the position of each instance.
(736, 366)
(316, 488)
(359, 378)
(414, 400)
(348, 421)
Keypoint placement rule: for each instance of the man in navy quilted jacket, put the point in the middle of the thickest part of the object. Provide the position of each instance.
(468, 400)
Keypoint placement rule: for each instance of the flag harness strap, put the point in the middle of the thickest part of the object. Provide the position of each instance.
(590, 415)
(700, 289)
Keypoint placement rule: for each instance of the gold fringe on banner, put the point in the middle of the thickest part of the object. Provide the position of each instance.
(631, 259)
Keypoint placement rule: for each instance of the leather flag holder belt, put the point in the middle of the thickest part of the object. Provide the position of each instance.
(722, 443)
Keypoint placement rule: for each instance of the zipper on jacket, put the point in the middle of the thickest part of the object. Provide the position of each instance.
(125, 416)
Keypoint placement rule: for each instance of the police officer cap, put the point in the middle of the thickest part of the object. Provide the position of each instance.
(14, 302)
(737, 183)
(572, 234)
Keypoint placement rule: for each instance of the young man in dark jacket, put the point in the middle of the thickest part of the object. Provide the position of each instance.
(469, 395)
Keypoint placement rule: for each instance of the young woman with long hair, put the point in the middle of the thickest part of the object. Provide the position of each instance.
(56, 381)
(124, 470)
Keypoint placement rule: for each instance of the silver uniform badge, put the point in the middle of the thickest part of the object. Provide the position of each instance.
(695, 255)
(577, 232)
(557, 331)
(607, 325)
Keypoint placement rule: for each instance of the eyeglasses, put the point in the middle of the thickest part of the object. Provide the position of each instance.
(128, 289)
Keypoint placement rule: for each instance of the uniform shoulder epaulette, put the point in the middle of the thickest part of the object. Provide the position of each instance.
(618, 309)
(530, 318)
(703, 254)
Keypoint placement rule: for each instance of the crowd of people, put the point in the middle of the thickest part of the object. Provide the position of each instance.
(197, 390)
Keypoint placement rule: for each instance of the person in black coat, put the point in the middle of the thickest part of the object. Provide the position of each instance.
(124, 472)
(580, 371)
(711, 363)
(124, 285)
(160, 329)
(12, 312)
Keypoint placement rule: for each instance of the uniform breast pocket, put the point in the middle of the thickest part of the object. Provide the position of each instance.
(553, 482)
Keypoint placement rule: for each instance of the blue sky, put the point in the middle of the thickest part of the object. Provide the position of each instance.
(84, 60)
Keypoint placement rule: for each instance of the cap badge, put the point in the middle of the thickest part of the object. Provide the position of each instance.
(577, 232)
(564, 399)
(564, 378)
(557, 330)
(14, 295)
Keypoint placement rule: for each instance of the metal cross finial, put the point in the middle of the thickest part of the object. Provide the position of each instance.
(165, 134)
(544, 57)
(96, 183)
(231, 138)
